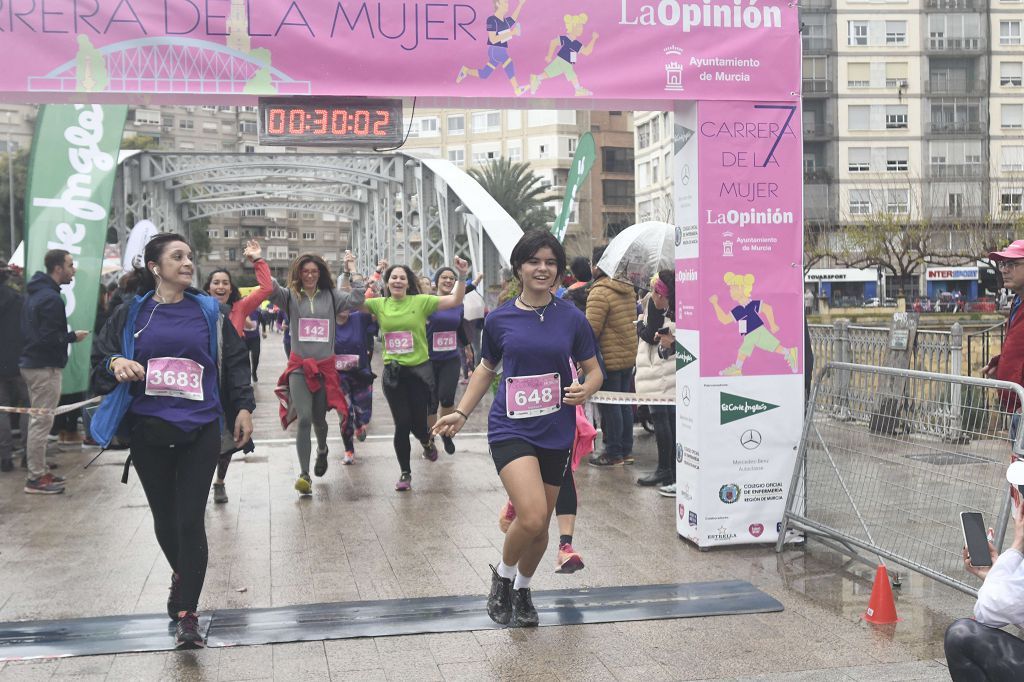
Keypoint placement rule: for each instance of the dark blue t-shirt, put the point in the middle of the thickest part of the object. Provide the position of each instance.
(443, 321)
(496, 25)
(176, 330)
(253, 333)
(525, 346)
(350, 338)
(569, 49)
(748, 313)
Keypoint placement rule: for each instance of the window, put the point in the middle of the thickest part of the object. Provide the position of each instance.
(655, 130)
(515, 151)
(514, 119)
(486, 121)
(213, 234)
(895, 33)
(247, 127)
(457, 155)
(1012, 115)
(277, 233)
(456, 124)
(1009, 32)
(210, 127)
(542, 151)
(308, 236)
(249, 149)
(859, 160)
(484, 155)
(897, 201)
(617, 159)
(329, 236)
(213, 255)
(895, 116)
(860, 117)
(1012, 159)
(1012, 201)
(277, 253)
(1010, 74)
(643, 135)
(147, 117)
(895, 74)
(858, 33)
(655, 164)
(618, 192)
(572, 145)
(429, 126)
(232, 254)
(860, 202)
(954, 204)
(897, 159)
(207, 107)
(858, 75)
(253, 213)
(186, 124)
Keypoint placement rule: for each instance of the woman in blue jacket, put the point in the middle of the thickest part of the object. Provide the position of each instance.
(174, 371)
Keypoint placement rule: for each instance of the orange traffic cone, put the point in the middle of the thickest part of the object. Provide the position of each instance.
(882, 606)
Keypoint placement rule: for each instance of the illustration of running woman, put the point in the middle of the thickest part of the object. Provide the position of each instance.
(501, 27)
(747, 314)
(569, 48)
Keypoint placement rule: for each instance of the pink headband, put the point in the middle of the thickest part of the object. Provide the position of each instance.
(660, 288)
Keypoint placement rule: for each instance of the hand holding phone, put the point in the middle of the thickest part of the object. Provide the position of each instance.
(980, 552)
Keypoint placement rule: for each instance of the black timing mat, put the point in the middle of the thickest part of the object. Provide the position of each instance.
(314, 622)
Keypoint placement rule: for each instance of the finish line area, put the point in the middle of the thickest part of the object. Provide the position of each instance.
(317, 622)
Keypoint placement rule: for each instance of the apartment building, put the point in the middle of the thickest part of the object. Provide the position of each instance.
(546, 139)
(653, 155)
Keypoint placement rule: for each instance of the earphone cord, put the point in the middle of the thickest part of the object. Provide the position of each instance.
(153, 312)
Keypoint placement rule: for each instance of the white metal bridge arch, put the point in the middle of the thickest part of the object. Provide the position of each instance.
(398, 206)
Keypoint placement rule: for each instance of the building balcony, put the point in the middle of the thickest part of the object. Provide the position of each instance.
(817, 87)
(817, 130)
(815, 5)
(951, 5)
(956, 45)
(955, 128)
(943, 86)
(957, 214)
(817, 176)
(955, 171)
(817, 45)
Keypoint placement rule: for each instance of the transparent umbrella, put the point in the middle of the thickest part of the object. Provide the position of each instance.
(637, 253)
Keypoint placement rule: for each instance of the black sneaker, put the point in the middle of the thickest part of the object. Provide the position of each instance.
(524, 615)
(187, 634)
(449, 445)
(499, 601)
(320, 468)
(174, 599)
(220, 494)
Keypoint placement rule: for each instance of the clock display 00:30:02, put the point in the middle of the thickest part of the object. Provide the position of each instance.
(299, 121)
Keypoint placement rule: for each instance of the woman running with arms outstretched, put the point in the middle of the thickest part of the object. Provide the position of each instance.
(532, 421)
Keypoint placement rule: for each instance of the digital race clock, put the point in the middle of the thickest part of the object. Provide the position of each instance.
(340, 121)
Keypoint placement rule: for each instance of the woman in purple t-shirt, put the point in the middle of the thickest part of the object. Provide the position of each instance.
(532, 422)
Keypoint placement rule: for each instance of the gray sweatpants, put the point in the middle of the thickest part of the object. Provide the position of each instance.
(310, 410)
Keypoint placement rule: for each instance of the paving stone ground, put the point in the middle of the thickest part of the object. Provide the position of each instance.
(92, 552)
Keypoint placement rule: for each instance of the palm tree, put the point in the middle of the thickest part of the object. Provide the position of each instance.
(518, 190)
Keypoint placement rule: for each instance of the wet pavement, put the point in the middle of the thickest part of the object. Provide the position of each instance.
(92, 552)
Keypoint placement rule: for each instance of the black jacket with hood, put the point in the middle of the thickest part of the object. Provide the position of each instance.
(11, 303)
(44, 325)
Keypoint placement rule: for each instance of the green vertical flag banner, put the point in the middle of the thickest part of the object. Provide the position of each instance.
(582, 162)
(67, 206)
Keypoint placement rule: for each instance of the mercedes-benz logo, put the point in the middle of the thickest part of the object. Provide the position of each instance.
(751, 439)
(686, 396)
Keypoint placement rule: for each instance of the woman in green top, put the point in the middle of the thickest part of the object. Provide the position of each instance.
(408, 378)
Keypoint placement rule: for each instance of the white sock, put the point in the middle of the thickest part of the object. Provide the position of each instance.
(506, 571)
(521, 581)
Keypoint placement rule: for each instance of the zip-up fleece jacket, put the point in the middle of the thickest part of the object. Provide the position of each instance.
(611, 311)
(117, 339)
(44, 325)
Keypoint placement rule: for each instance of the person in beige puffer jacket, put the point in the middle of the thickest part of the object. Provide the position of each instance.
(611, 311)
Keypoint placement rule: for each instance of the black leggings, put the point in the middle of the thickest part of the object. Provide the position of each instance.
(566, 503)
(409, 403)
(446, 381)
(978, 653)
(177, 483)
(253, 344)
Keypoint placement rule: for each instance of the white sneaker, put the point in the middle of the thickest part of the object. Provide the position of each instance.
(667, 490)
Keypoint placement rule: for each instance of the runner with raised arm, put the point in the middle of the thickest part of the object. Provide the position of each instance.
(312, 305)
(408, 378)
(531, 424)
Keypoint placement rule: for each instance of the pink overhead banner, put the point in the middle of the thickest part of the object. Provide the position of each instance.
(654, 50)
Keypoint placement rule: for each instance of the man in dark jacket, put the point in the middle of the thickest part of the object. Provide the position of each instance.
(12, 388)
(44, 330)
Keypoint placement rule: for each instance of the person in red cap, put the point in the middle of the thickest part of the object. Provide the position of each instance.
(1009, 364)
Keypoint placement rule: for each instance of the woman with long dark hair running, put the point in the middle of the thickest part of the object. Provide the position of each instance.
(312, 305)
(221, 286)
(531, 424)
(175, 371)
(408, 377)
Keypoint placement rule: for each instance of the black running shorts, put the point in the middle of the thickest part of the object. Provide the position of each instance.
(552, 462)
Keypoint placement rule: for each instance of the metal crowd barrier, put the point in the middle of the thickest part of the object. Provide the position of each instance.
(889, 458)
